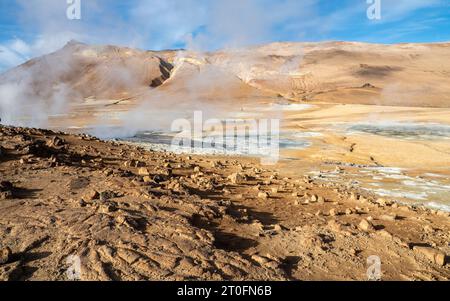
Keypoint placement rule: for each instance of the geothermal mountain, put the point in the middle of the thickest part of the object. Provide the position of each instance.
(339, 72)
(101, 71)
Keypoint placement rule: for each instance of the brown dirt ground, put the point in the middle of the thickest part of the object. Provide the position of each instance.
(131, 214)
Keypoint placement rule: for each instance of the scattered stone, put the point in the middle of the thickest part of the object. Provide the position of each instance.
(388, 218)
(258, 225)
(277, 228)
(91, 196)
(108, 207)
(263, 195)
(333, 212)
(106, 196)
(143, 171)
(6, 195)
(307, 180)
(147, 179)
(237, 178)
(137, 164)
(127, 221)
(366, 225)
(260, 260)
(314, 199)
(239, 196)
(5, 255)
(56, 142)
(435, 256)
(108, 172)
(159, 178)
(335, 226)
(273, 258)
(6, 185)
(383, 202)
(6, 190)
(348, 211)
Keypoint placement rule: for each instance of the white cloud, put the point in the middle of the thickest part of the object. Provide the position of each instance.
(201, 24)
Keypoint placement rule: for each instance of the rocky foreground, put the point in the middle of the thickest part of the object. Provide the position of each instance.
(131, 214)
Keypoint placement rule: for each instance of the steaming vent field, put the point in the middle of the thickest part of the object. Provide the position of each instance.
(87, 166)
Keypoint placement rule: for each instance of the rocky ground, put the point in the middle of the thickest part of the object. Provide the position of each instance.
(131, 214)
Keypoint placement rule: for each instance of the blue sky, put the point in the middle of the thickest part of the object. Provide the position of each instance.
(30, 28)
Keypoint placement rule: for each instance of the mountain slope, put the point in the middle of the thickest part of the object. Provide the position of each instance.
(87, 78)
(100, 71)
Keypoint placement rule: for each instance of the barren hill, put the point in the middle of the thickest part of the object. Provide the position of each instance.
(100, 71)
(339, 72)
